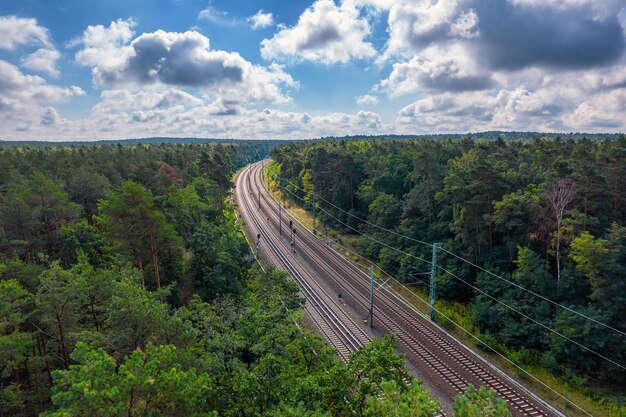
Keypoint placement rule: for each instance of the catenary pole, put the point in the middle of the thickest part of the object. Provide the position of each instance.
(372, 296)
(433, 281)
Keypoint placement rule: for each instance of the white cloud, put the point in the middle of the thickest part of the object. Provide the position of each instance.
(31, 88)
(469, 71)
(603, 112)
(105, 47)
(178, 59)
(16, 31)
(380, 4)
(465, 25)
(217, 17)
(415, 25)
(42, 60)
(507, 109)
(51, 117)
(25, 100)
(261, 20)
(593, 36)
(436, 69)
(169, 111)
(145, 100)
(369, 120)
(325, 33)
(366, 100)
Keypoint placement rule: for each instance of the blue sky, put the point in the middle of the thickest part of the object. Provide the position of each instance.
(300, 69)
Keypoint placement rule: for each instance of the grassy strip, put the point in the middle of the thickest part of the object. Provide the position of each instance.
(591, 399)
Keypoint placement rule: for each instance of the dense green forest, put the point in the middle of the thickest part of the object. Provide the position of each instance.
(126, 289)
(532, 233)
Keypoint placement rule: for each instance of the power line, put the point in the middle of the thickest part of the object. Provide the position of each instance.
(360, 219)
(533, 320)
(401, 299)
(367, 236)
(387, 274)
(454, 255)
(393, 293)
(474, 287)
(533, 293)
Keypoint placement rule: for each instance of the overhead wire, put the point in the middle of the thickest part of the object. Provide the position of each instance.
(533, 293)
(401, 299)
(389, 275)
(458, 278)
(391, 291)
(533, 320)
(363, 220)
(571, 310)
(367, 236)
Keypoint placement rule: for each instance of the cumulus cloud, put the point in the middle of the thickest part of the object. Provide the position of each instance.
(281, 124)
(368, 119)
(105, 48)
(25, 100)
(261, 20)
(217, 17)
(603, 112)
(437, 69)
(177, 59)
(507, 109)
(42, 60)
(512, 34)
(172, 112)
(16, 31)
(511, 64)
(51, 117)
(325, 33)
(366, 100)
(30, 88)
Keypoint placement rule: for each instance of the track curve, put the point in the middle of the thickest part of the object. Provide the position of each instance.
(447, 365)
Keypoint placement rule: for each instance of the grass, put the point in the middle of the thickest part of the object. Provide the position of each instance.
(590, 399)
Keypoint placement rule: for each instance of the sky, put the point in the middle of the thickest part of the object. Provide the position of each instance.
(89, 70)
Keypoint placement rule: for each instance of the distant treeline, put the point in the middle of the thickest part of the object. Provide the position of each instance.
(268, 143)
(490, 135)
(89, 154)
(265, 143)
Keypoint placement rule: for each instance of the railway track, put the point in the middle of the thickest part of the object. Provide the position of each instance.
(447, 365)
(337, 327)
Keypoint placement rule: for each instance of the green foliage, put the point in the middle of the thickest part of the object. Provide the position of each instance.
(130, 319)
(130, 257)
(393, 402)
(479, 403)
(488, 202)
(81, 237)
(588, 253)
(31, 213)
(151, 382)
(15, 342)
(218, 262)
(135, 226)
(67, 279)
(137, 317)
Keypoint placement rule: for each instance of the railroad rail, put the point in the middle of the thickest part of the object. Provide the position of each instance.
(338, 328)
(442, 360)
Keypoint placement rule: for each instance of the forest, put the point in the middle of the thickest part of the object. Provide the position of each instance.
(532, 234)
(127, 289)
